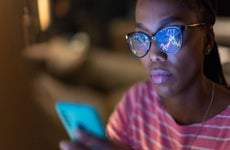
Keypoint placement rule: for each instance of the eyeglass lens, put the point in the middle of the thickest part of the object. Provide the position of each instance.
(168, 39)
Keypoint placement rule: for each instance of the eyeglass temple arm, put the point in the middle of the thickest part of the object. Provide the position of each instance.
(195, 25)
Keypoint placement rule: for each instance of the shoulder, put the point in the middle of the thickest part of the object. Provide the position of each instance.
(138, 94)
(223, 94)
(145, 86)
(138, 90)
(221, 100)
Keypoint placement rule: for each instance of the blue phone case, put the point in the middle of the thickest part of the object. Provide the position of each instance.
(73, 115)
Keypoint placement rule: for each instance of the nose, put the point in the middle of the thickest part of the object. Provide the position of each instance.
(155, 55)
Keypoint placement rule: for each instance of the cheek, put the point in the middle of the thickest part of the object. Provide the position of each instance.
(192, 52)
(190, 59)
(194, 42)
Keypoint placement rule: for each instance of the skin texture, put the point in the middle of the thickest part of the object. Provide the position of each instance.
(178, 78)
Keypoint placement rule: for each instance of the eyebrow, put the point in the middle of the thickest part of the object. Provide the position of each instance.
(162, 23)
(140, 25)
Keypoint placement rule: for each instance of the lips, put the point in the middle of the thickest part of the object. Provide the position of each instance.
(160, 76)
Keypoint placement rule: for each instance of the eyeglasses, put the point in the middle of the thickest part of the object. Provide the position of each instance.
(168, 39)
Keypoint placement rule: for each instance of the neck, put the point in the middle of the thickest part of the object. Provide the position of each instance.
(190, 108)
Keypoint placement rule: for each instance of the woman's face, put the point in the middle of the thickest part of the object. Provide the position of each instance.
(171, 73)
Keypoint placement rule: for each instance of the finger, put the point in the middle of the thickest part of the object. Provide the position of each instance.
(96, 143)
(67, 145)
(88, 139)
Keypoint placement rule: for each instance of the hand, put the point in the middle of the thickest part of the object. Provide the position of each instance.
(86, 141)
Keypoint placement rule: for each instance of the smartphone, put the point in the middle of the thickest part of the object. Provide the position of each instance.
(77, 115)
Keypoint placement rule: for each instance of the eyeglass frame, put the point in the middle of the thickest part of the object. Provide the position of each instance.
(153, 36)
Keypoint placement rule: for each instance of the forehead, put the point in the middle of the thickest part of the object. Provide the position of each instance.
(157, 11)
(188, 4)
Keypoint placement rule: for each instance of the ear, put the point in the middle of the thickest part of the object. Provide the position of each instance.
(209, 40)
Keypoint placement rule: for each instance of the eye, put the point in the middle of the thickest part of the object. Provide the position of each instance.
(140, 37)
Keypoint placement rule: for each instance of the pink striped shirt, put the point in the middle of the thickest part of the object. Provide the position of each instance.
(141, 122)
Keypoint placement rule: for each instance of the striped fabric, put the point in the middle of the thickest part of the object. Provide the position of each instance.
(140, 121)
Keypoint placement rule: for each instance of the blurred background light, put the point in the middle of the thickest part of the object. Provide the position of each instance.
(44, 13)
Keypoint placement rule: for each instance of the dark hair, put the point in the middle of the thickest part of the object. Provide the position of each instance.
(213, 68)
(207, 10)
(212, 64)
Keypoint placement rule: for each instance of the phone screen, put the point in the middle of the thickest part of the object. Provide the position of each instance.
(76, 115)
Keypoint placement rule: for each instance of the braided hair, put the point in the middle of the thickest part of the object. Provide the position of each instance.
(212, 64)
(213, 68)
(207, 10)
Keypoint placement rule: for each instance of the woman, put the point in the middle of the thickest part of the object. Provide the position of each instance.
(184, 105)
